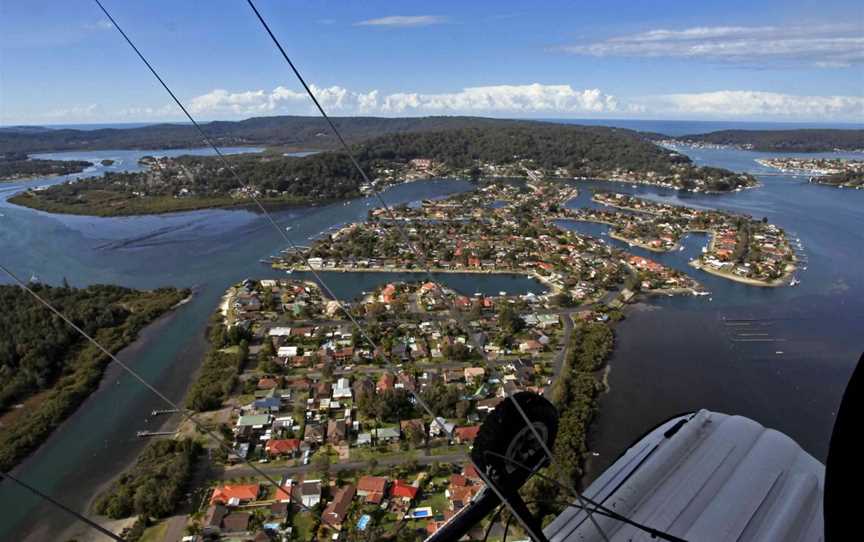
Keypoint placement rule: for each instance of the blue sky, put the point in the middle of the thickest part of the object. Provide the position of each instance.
(62, 62)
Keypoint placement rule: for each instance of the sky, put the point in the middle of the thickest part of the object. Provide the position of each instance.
(787, 60)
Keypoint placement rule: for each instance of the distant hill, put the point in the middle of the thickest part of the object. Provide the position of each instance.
(23, 129)
(801, 140)
(287, 131)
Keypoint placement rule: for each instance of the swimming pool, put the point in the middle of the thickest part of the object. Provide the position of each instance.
(424, 512)
(363, 521)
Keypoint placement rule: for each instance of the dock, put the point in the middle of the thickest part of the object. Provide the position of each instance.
(164, 411)
(145, 434)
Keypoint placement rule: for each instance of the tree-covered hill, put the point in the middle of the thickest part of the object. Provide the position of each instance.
(287, 131)
(804, 140)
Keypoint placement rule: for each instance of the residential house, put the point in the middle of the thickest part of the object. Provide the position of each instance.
(466, 434)
(337, 432)
(236, 522)
(435, 428)
(403, 491)
(282, 447)
(342, 389)
(336, 511)
(235, 494)
(372, 488)
(212, 522)
(308, 492)
(314, 433)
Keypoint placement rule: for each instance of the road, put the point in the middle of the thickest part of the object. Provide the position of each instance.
(561, 355)
(278, 472)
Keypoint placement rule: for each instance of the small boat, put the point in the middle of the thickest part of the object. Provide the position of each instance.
(288, 228)
(502, 293)
(794, 282)
(681, 249)
(779, 352)
(288, 272)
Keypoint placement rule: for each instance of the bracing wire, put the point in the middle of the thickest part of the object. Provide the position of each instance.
(407, 240)
(599, 508)
(60, 505)
(220, 155)
(183, 412)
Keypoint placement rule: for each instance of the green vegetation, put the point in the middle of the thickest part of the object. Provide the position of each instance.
(48, 366)
(195, 182)
(154, 486)
(15, 166)
(221, 366)
(576, 396)
(283, 131)
(807, 140)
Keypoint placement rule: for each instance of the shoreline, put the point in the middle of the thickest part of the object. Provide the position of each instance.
(110, 374)
(782, 281)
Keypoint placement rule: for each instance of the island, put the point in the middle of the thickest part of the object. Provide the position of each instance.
(523, 150)
(741, 248)
(838, 172)
(15, 166)
(47, 368)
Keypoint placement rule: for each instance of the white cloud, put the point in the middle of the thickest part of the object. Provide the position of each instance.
(101, 24)
(404, 20)
(510, 99)
(755, 104)
(827, 46)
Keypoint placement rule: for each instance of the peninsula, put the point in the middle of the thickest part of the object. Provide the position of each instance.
(520, 150)
(741, 248)
(839, 172)
(19, 167)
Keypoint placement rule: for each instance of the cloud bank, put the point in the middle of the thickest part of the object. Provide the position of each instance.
(827, 46)
(755, 104)
(499, 99)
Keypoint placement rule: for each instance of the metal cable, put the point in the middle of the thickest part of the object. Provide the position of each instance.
(61, 506)
(400, 228)
(282, 232)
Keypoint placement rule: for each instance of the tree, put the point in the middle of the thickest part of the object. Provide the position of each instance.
(509, 321)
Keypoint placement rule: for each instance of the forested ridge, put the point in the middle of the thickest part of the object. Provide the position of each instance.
(42, 358)
(804, 140)
(286, 131)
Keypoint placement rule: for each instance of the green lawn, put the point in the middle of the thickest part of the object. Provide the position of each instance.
(155, 533)
(304, 526)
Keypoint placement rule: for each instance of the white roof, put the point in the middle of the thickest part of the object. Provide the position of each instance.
(706, 476)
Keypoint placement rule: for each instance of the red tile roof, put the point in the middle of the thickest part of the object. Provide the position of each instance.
(282, 446)
(466, 434)
(401, 489)
(246, 492)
